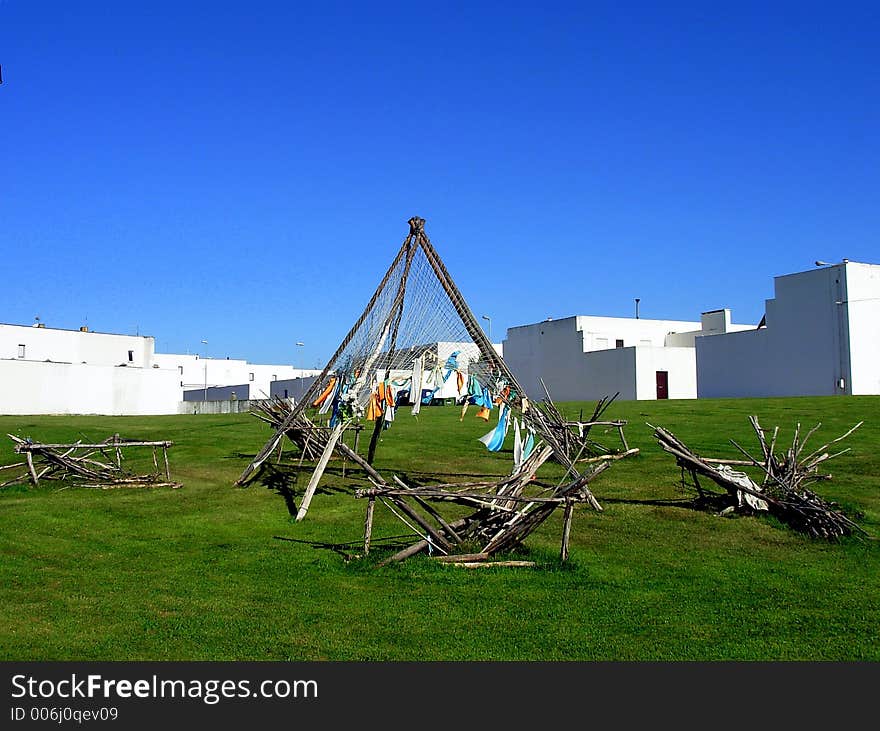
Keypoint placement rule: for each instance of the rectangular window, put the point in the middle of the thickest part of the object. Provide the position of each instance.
(21, 351)
(180, 370)
(618, 343)
(131, 356)
(250, 376)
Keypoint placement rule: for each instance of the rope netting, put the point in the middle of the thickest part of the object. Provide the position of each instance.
(415, 342)
(411, 347)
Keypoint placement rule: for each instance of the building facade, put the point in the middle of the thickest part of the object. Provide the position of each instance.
(821, 337)
(55, 371)
(585, 358)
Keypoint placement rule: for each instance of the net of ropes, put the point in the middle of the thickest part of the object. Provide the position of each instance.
(410, 346)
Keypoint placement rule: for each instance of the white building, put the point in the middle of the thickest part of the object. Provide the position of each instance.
(822, 337)
(53, 371)
(198, 373)
(584, 358)
(50, 371)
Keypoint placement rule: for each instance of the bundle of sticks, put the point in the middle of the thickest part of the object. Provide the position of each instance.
(309, 437)
(87, 464)
(785, 477)
(505, 511)
(573, 438)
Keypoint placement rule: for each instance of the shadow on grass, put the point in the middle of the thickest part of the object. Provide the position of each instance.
(283, 479)
(346, 549)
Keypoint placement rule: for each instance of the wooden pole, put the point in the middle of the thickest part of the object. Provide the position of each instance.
(368, 524)
(566, 529)
(374, 439)
(167, 466)
(319, 471)
(30, 464)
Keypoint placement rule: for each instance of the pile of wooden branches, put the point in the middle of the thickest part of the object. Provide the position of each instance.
(309, 437)
(505, 511)
(87, 464)
(574, 437)
(784, 488)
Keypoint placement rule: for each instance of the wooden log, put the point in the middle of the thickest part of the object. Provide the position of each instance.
(374, 439)
(361, 462)
(319, 472)
(167, 466)
(30, 463)
(405, 553)
(438, 539)
(566, 530)
(428, 508)
(462, 557)
(419, 545)
(368, 524)
(486, 564)
(23, 446)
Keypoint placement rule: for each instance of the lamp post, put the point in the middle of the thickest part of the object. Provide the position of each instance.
(300, 345)
(205, 358)
(489, 320)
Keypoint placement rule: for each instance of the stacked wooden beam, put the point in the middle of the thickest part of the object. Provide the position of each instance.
(784, 479)
(504, 513)
(88, 464)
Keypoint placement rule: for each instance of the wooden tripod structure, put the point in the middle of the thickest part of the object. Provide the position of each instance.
(497, 510)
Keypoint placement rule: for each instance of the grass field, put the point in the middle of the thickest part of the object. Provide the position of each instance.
(205, 572)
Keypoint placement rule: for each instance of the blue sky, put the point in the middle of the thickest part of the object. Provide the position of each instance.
(243, 172)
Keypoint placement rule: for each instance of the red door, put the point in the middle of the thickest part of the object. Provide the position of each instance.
(662, 384)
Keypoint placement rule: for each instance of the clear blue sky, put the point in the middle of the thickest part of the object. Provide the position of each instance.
(243, 172)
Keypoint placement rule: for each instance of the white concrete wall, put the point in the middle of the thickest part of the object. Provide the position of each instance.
(822, 329)
(74, 346)
(574, 370)
(192, 371)
(732, 365)
(863, 334)
(65, 388)
(679, 363)
(602, 333)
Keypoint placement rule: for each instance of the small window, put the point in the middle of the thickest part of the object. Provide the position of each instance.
(21, 351)
(274, 377)
(180, 370)
(250, 376)
(618, 343)
(131, 356)
(285, 393)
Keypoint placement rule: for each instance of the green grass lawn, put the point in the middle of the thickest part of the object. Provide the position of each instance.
(205, 573)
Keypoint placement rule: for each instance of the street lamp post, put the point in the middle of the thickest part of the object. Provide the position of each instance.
(300, 345)
(489, 320)
(205, 358)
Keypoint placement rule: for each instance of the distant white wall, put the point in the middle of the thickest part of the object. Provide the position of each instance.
(574, 369)
(863, 333)
(730, 366)
(679, 363)
(74, 346)
(194, 371)
(602, 333)
(822, 338)
(64, 388)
